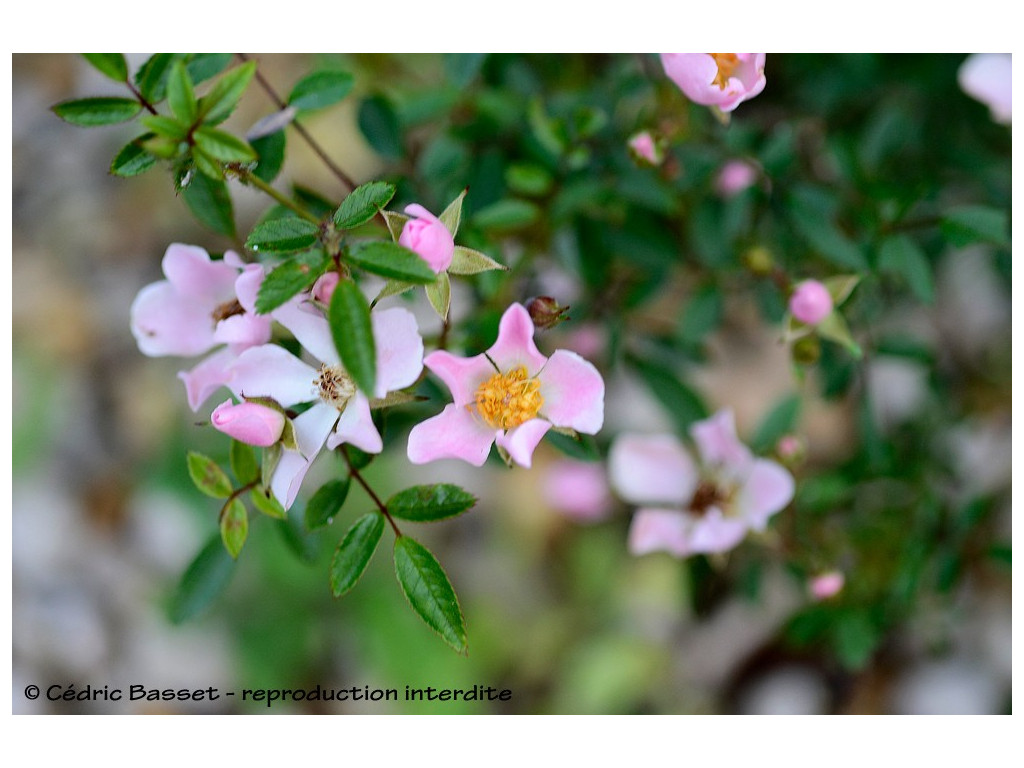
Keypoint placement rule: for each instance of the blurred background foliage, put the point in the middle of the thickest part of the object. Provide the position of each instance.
(876, 165)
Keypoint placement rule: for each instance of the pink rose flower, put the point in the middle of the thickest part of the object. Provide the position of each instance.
(734, 177)
(427, 236)
(644, 147)
(511, 395)
(723, 80)
(578, 489)
(688, 508)
(323, 288)
(250, 423)
(987, 78)
(201, 304)
(811, 302)
(826, 585)
(340, 412)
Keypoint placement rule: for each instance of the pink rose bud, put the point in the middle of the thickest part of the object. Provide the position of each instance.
(546, 312)
(735, 176)
(790, 447)
(324, 287)
(645, 148)
(826, 585)
(811, 302)
(250, 423)
(428, 237)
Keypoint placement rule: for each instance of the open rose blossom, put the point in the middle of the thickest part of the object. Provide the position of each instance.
(428, 237)
(722, 80)
(202, 304)
(688, 508)
(511, 395)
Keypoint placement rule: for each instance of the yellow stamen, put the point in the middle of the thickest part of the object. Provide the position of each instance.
(727, 63)
(507, 400)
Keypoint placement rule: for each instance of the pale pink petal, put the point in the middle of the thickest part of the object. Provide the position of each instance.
(192, 273)
(987, 77)
(273, 371)
(356, 427)
(716, 439)
(462, 375)
(243, 331)
(515, 346)
(165, 322)
(232, 259)
(653, 469)
(659, 530)
(428, 237)
(714, 532)
(399, 349)
(207, 377)
(578, 489)
(250, 423)
(309, 327)
(767, 490)
(452, 434)
(521, 441)
(826, 585)
(323, 288)
(312, 428)
(573, 392)
(247, 286)
(288, 475)
(693, 73)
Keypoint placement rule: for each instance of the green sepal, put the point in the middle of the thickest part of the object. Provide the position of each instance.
(234, 526)
(113, 65)
(396, 223)
(391, 260)
(202, 582)
(271, 458)
(320, 89)
(243, 462)
(327, 502)
(352, 331)
(265, 502)
(354, 552)
(290, 278)
(840, 287)
(181, 97)
(282, 235)
(133, 159)
(466, 261)
(363, 203)
(394, 288)
(218, 104)
(222, 146)
(101, 110)
(439, 293)
(834, 328)
(429, 592)
(392, 399)
(422, 503)
(207, 476)
(452, 215)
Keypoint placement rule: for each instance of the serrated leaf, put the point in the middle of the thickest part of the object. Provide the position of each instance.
(352, 331)
(270, 151)
(320, 89)
(362, 204)
(151, 78)
(423, 503)
(264, 501)
(133, 159)
(234, 527)
(218, 104)
(207, 476)
(282, 235)
(780, 420)
(210, 202)
(439, 294)
(429, 592)
(396, 223)
(354, 552)
(204, 579)
(222, 146)
(101, 110)
(452, 215)
(243, 463)
(466, 261)
(976, 224)
(507, 214)
(289, 278)
(113, 65)
(326, 502)
(203, 66)
(181, 97)
(834, 328)
(901, 256)
(379, 124)
(391, 260)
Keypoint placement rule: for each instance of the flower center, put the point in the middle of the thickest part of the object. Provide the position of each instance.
(707, 495)
(727, 64)
(334, 386)
(226, 310)
(506, 400)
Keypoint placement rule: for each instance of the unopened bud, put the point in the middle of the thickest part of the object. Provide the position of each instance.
(826, 585)
(759, 260)
(546, 312)
(249, 422)
(811, 302)
(791, 449)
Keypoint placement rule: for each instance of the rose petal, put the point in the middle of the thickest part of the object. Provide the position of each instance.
(165, 322)
(515, 346)
(452, 434)
(356, 427)
(714, 532)
(767, 490)
(191, 271)
(288, 475)
(309, 327)
(652, 468)
(462, 375)
(659, 530)
(716, 439)
(207, 377)
(399, 349)
(521, 441)
(272, 371)
(578, 489)
(573, 392)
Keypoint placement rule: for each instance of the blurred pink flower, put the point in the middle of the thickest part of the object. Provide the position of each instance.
(987, 78)
(826, 585)
(323, 288)
(644, 147)
(429, 237)
(811, 302)
(511, 395)
(578, 489)
(688, 509)
(340, 412)
(734, 177)
(723, 80)
(250, 423)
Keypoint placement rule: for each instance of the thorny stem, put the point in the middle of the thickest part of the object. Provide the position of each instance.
(281, 104)
(247, 177)
(369, 491)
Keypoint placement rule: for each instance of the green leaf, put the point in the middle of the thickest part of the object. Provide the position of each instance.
(379, 124)
(151, 78)
(207, 476)
(203, 66)
(102, 110)
(282, 235)
(439, 294)
(462, 68)
(466, 261)
(528, 179)
(223, 146)
(265, 502)
(681, 402)
(133, 159)
(165, 126)
(204, 579)
(270, 151)
(243, 463)
(976, 224)
(289, 278)
(452, 214)
(234, 527)
(507, 215)
(354, 552)
(824, 237)
(218, 104)
(391, 260)
(422, 503)
(703, 314)
(349, 318)
(210, 202)
(113, 65)
(326, 502)
(207, 165)
(363, 204)
(429, 592)
(780, 420)
(901, 256)
(580, 447)
(180, 96)
(855, 639)
(320, 89)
